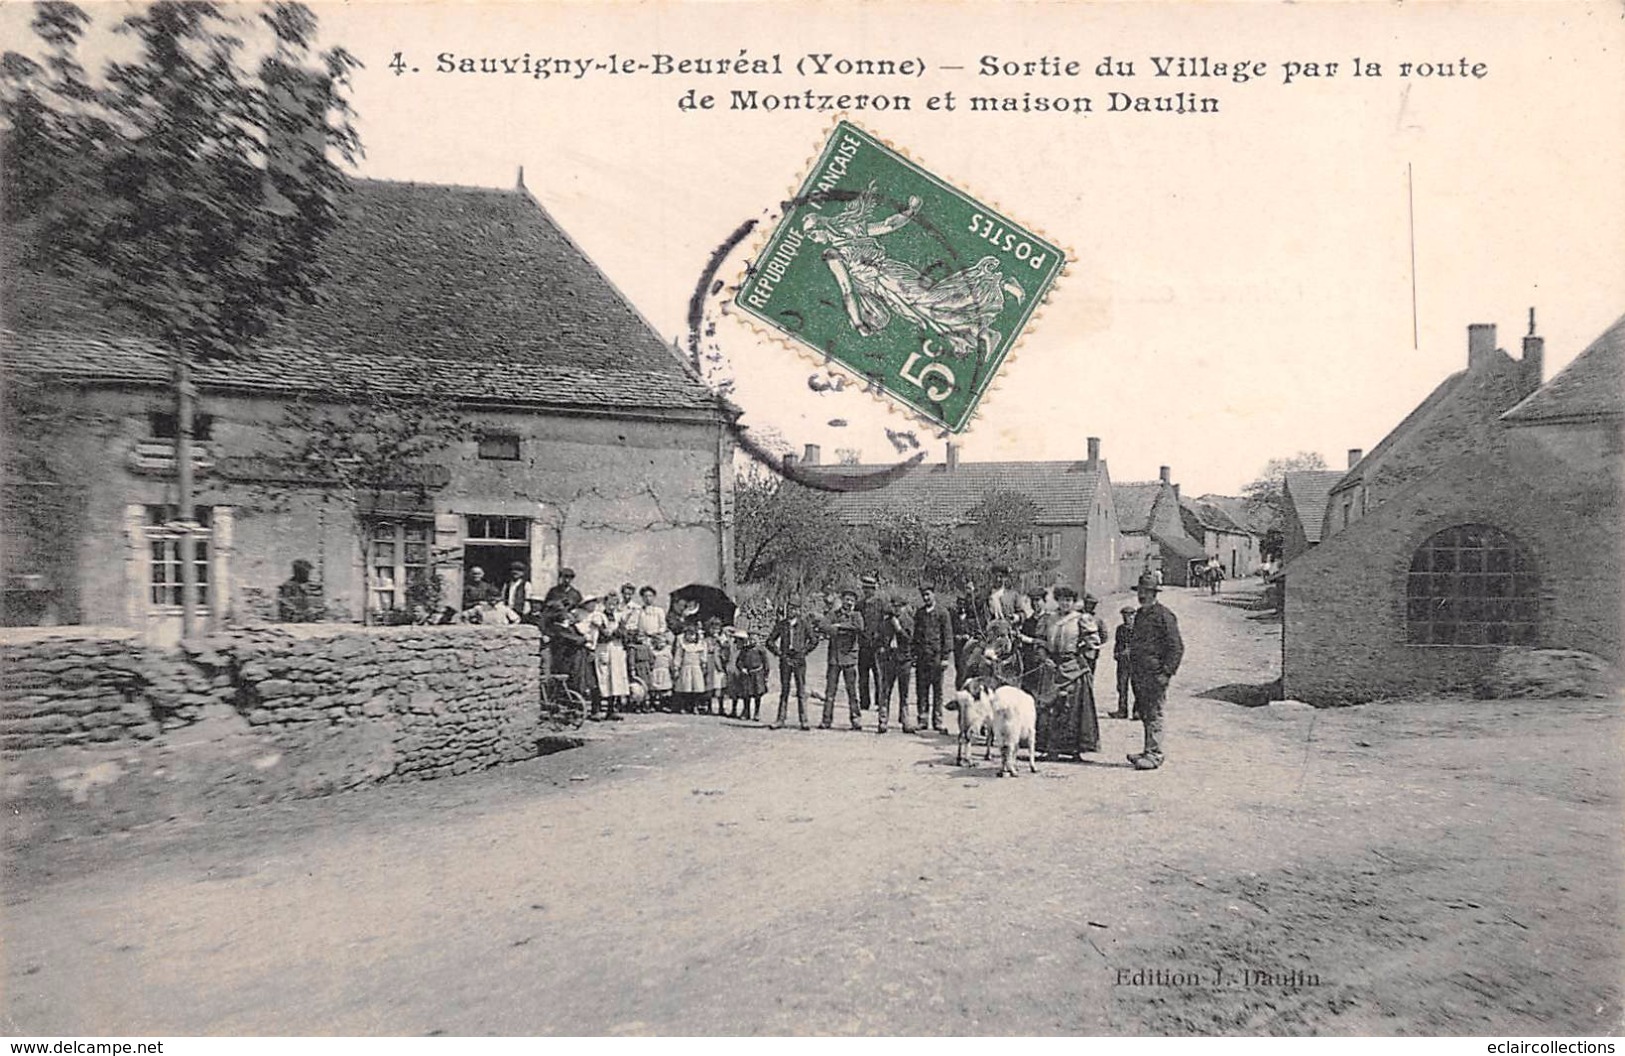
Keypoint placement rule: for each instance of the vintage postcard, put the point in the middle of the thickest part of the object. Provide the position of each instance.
(935, 518)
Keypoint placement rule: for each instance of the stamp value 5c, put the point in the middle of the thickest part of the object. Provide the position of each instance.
(904, 280)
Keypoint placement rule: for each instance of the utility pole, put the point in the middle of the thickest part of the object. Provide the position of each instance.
(186, 515)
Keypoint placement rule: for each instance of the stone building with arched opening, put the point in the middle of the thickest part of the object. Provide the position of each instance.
(1513, 543)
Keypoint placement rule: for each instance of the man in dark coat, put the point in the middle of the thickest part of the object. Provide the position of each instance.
(933, 646)
(793, 637)
(563, 592)
(845, 634)
(872, 607)
(1155, 650)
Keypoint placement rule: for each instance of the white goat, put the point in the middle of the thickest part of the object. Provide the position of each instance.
(975, 708)
(1010, 716)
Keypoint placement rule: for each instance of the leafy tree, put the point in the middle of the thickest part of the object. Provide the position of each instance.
(365, 445)
(787, 535)
(1263, 495)
(189, 187)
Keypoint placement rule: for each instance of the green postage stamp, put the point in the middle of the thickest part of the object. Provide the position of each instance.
(912, 285)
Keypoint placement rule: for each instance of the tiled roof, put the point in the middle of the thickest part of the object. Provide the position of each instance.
(479, 287)
(1182, 546)
(1063, 491)
(1308, 491)
(1235, 507)
(99, 359)
(1592, 386)
(1134, 500)
(1212, 517)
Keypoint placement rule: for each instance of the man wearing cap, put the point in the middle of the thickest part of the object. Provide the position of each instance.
(1120, 654)
(845, 631)
(1155, 650)
(873, 610)
(516, 592)
(933, 645)
(793, 637)
(894, 652)
(564, 592)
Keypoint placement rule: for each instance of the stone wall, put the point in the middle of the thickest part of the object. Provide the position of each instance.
(94, 721)
(1345, 633)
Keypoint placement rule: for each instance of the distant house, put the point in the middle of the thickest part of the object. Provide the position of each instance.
(1456, 417)
(1304, 495)
(1076, 517)
(1222, 534)
(1514, 542)
(593, 445)
(1154, 535)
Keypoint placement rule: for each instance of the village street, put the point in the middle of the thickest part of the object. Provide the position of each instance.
(1419, 867)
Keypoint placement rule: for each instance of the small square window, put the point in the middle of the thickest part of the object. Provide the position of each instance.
(161, 424)
(502, 446)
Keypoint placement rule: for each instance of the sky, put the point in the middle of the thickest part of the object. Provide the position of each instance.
(1241, 283)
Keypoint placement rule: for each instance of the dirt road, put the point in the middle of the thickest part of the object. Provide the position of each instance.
(1423, 867)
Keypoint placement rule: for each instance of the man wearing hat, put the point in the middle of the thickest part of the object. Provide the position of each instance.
(1155, 650)
(845, 631)
(563, 592)
(793, 637)
(1120, 654)
(873, 610)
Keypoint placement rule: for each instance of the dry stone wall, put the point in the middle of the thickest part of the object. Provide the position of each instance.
(93, 720)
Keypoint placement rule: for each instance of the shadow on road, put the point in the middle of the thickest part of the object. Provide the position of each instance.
(1247, 694)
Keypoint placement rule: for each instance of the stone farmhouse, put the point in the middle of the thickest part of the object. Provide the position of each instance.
(1510, 540)
(1304, 495)
(1221, 526)
(1077, 518)
(589, 442)
(1154, 535)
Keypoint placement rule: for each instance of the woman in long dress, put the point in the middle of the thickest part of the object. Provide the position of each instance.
(1069, 725)
(609, 658)
(690, 659)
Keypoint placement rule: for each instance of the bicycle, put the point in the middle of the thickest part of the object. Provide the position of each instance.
(563, 703)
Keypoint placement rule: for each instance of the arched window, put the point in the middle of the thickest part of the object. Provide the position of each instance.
(1471, 585)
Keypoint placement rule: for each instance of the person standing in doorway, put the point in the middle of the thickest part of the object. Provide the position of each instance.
(1155, 651)
(516, 592)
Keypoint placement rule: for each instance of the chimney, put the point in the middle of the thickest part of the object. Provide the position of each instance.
(1164, 474)
(790, 461)
(1480, 344)
(953, 455)
(811, 456)
(521, 179)
(1176, 494)
(1094, 451)
(1355, 454)
(1534, 357)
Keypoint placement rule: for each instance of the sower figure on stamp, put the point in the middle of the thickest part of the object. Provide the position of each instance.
(933, 645)
(845, 630)
(873, 610)
(894, 652)
(1121, 640)
(791, 639)
(1155, 651)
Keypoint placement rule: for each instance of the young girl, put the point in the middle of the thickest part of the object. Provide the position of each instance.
(750, 663)
(690, 659)
(609, 658)
(716, 668)
(660, 671)
(640, 660)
